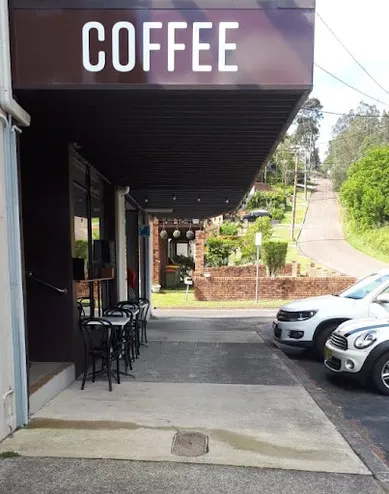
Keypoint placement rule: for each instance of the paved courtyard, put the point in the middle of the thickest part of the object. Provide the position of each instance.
(216, 376)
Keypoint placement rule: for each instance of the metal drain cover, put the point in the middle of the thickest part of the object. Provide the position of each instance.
(190, 444)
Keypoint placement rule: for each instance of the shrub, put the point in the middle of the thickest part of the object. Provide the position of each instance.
(278, 214)
(365, 192)
(186, 265)
(267, 199)
(247, 243)
(274, 256)
(219, 251)
(229, 228)
(287, 191)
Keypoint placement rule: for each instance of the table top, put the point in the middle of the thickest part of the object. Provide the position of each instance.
(117, 320)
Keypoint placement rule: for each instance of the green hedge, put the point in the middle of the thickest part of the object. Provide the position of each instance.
(219, 251)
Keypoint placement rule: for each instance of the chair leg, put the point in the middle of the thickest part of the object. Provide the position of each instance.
(109, 372)
(128, 351)
(94, 369)
(85, 371)
(118, 370)
(145, 330)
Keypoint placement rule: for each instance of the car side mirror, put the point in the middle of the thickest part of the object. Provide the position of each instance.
(383, 298)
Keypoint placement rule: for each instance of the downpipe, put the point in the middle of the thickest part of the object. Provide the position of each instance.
(8, 411)
(15, 271)
(7, 103)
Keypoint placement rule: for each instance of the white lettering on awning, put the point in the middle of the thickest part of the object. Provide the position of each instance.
(124, 44)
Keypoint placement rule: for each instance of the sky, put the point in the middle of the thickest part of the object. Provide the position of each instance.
(363, 28)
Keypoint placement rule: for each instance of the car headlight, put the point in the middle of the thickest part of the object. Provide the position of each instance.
(307, 314)
(288, 316)
(365, 340)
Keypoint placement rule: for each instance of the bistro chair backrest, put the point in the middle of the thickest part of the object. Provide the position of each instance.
(99, 334)
(127, 304)
(81, 311)
(117, 312)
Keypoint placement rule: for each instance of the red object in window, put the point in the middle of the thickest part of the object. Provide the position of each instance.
(131, 278)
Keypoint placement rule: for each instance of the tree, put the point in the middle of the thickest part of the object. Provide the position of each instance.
(353, 135)
(365, 192)
(308, 129)
(284, 161)
(247, 243)
(274, 256)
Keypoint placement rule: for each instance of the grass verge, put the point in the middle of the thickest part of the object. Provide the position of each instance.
(281, 232)
(373, 243)
(169, 299)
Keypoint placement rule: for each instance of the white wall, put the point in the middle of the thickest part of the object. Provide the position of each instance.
(7, 403)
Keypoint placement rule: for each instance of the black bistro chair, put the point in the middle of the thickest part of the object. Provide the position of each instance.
(144, 307)
(136, 321)
(128, 335)
(102, 342)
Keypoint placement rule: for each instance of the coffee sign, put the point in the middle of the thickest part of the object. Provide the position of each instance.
(188, 47)
(125, 38)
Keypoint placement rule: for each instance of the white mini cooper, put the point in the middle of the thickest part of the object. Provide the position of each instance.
(360, 348)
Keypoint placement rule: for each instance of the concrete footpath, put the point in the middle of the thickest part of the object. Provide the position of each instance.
(215, 376)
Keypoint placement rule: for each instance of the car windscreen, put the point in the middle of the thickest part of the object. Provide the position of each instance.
(363, 288)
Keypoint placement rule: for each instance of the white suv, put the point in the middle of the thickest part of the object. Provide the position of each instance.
(360, 348)
(310, 322)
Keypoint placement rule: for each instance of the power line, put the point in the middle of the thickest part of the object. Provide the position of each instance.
(359, 115)
(350, 86)
(351, 55)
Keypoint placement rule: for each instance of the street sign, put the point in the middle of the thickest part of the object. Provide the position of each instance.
(258, 239)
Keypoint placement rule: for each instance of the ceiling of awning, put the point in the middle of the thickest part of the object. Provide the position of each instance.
(195, 152)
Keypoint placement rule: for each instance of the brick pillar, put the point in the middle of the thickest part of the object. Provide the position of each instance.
(200, 252)
(156, 252)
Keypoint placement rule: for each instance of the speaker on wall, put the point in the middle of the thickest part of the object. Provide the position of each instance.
(78, 269)
(104, 253)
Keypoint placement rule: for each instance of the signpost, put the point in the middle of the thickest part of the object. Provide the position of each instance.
(188, 282)
(258, 243)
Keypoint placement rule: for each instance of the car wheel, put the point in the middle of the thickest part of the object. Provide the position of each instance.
(380, 374)
(322, 336)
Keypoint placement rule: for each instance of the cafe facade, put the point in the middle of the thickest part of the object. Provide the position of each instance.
(114, 113)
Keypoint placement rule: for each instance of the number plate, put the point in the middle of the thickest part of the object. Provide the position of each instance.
(327, 353)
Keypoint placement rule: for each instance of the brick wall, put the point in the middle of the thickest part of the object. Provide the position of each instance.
(200, 251)
(250, 271)
(243, 288)
(156, 253)
(83, 290)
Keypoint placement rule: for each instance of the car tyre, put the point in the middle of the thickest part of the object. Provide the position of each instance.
(322, 336)
(380, 367)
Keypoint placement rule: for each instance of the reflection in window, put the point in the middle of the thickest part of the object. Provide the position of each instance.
(81, 231)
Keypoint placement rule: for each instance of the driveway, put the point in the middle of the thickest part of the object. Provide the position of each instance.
(322, 238)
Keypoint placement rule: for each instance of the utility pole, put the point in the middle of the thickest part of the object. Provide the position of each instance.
(294, 196)
(305, 178)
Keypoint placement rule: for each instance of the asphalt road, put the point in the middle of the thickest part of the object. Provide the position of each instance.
(322, 238)
(366, 410)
